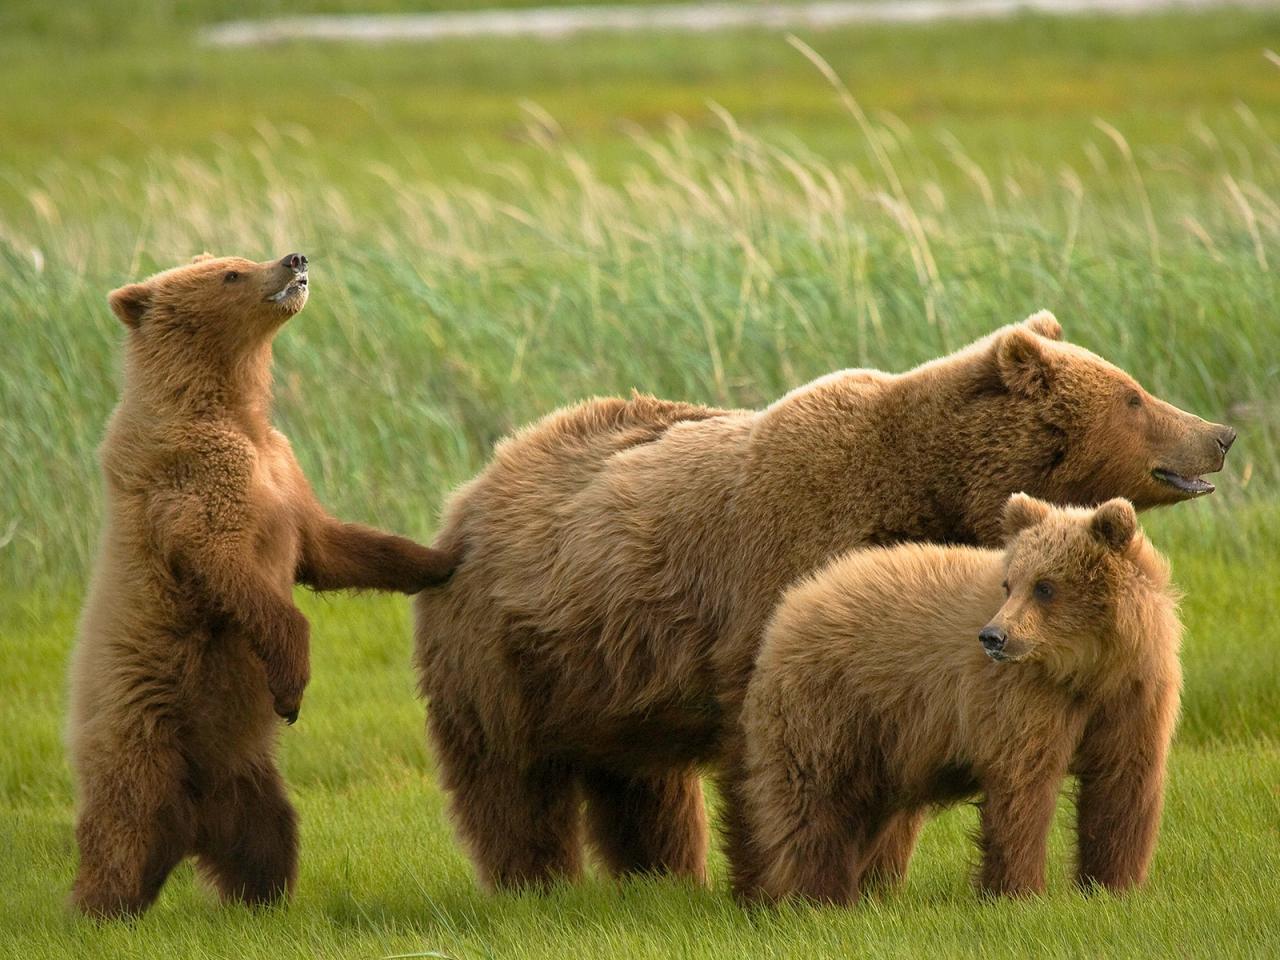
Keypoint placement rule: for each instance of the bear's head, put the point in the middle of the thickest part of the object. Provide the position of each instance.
(1111, 438)
(1083, 589)
(217, 304)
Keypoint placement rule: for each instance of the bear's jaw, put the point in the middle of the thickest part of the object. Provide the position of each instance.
(999, 656)
(1190, 486)
(293, 295)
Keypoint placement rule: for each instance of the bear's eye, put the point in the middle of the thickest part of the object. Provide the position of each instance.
(1135, 400)
(1006, 587)
(1043, 591)
(231, 277)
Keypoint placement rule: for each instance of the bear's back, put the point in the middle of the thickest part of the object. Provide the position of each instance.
(888, 615)
(536, 473)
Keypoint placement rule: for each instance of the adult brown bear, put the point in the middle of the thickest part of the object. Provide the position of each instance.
(620, 560)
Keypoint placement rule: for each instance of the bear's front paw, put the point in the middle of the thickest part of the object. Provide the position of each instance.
(429, 568)
(286, 692)
(289, 667)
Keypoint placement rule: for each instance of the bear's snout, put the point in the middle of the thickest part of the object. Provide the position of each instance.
(294, 261)
(993, 640)
(1194, 447)
(1224, 439)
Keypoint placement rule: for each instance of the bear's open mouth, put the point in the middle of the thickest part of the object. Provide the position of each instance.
(1192, 485)
(298, 285)
(1004, 656)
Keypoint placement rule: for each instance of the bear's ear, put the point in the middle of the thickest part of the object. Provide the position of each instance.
(1022, 511)
(1024, 362)
(130, 302)
(200, 257)
(1114, 523)
(1045, 324)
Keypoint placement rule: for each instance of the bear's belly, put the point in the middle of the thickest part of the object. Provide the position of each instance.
(227, 709)
(276, 540)
(947, 785)
(677, 734)
(277, 551)
(644, 697)
(276, 536)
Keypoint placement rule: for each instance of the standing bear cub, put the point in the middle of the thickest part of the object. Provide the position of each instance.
(623, 556)
(190, 644)
(897, 679)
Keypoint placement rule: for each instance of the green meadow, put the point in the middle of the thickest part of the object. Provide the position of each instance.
(497, 227)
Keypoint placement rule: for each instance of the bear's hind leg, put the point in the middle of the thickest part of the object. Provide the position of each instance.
(653, 824)
(817, 860)
(247, 839)
(520, 821)
(521, 826)
(889, 852)
(133, 827)
(736, 829)
(793, 834)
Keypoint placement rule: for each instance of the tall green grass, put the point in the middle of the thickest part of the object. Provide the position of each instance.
(441, 318)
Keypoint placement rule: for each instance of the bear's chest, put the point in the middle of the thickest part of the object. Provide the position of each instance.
(276, 530)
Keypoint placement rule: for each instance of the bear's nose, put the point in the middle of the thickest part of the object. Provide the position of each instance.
(1225, 439)
(993, 639)
(295, 261)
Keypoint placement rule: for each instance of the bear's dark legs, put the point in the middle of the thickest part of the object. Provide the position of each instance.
(818, 861)
(519, 820)
(247, 838)
(791, 836)
(521, 826)
(134, 826)
(1121, 765)
(1015, 833)
(889, 852)
(745, 862)
(654, 824)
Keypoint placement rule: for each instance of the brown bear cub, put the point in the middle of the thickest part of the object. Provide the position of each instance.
(622, 558)
(903, 678)
(190, 644)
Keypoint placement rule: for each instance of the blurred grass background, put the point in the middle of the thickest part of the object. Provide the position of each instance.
(498, 227)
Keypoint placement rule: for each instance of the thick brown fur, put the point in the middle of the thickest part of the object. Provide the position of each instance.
(873, 700)
(190, 646)
(622, 558)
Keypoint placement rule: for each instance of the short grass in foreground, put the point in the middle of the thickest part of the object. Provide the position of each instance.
(382, 875)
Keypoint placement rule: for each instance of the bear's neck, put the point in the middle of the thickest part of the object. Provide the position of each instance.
(234, 390)
(930, 455)
(974, 445)
(1147, 632)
